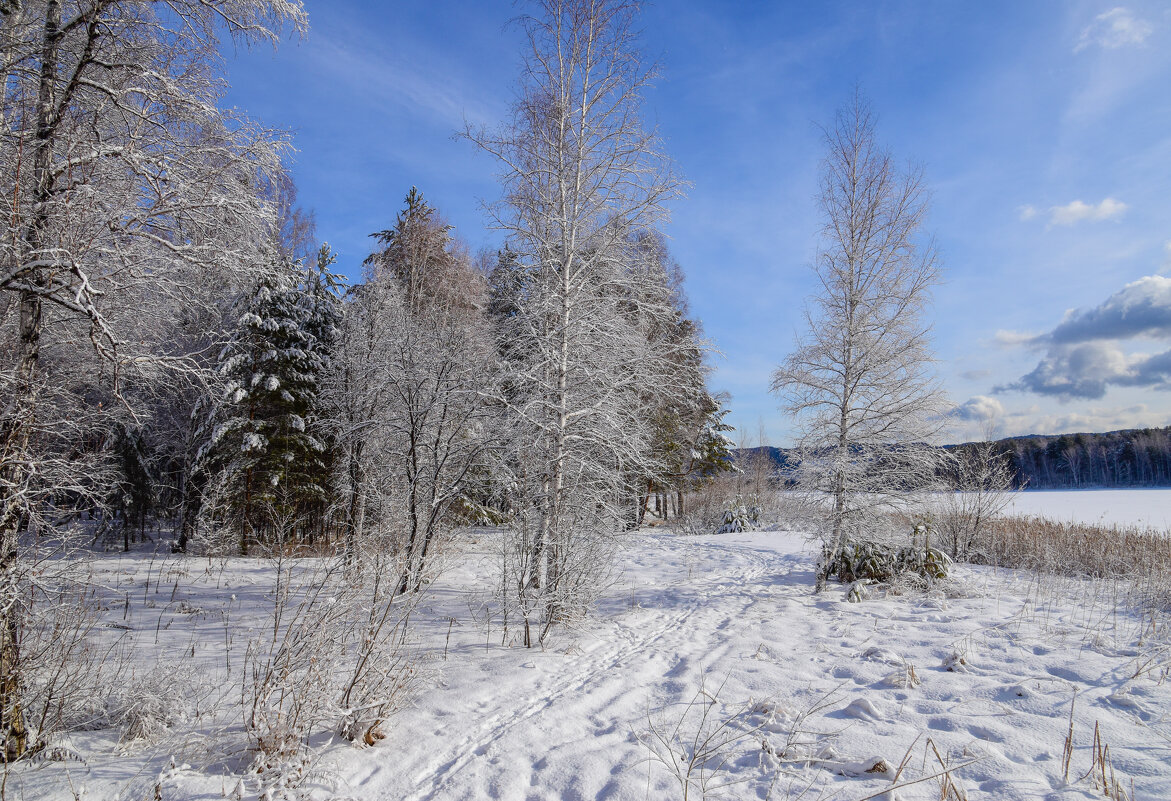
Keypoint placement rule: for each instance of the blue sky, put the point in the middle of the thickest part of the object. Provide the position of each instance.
(1044, 129)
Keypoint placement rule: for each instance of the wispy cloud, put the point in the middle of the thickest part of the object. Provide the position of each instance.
(1077, 211)
(437, 92)
(1116, 28)
(1012, 339)
(1166, 268)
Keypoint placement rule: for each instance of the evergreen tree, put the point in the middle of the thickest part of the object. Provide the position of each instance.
(266, 445)
(676, 409)
(712, 453)
(420, 252)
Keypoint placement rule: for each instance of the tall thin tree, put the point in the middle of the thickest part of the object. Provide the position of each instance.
(582, 177)
(860, 382)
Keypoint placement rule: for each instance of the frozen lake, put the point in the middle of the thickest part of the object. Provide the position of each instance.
(1127, 507)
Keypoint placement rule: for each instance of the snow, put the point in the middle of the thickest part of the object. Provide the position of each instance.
(252, 442)
(1148, 508)
(814, 691)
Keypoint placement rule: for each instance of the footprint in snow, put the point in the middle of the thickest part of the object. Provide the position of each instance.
(1124, 699)
(1069, 674)
(876, 654)
(942, 724)
(986, 734)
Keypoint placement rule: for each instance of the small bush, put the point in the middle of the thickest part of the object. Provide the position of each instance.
(148, 706)
(740, 516)
(866, 560)
(465, 511)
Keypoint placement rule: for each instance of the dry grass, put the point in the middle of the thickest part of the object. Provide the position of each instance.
(1140, 556)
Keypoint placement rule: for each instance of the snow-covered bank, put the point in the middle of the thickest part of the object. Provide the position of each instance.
(984, 671)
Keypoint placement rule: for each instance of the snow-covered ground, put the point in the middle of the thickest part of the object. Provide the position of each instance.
(821, 698)
(1149, 508)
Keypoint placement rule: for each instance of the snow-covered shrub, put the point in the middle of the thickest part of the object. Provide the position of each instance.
(740, 515)
(147, 706)
(703, 510)
(869, 560)
(718, 508)
(292, 778)
(291, 671)
(982, 479)
(62, 674)
(524, 600)
(381, 673)
(333, 657)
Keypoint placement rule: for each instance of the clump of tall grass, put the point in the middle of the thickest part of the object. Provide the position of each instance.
(1141, 556)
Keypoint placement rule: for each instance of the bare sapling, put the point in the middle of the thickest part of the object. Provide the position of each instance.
(981, 479)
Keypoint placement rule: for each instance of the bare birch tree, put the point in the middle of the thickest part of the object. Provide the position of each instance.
(582, 178)
(860, 382)
(125, 188)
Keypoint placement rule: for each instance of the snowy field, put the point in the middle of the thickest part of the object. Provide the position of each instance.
(1148, 508)
(805, 696)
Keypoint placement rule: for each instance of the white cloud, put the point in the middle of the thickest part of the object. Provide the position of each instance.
(1116, 28)
(1026, 213)
(1142, 308)
(1081, 371)
(1077, 211)
(979, 409)
(1033, 421)
(1083, 354)
(1011, 339)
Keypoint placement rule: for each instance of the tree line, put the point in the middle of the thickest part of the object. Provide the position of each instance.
(1139, 457)
(1129, 458)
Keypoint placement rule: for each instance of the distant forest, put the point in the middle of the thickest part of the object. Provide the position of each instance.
(1131, 458)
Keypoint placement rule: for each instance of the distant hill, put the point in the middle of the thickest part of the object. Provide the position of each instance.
(780, 457)
(1139, 457)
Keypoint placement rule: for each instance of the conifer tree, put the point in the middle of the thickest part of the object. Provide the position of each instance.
(267, 445)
